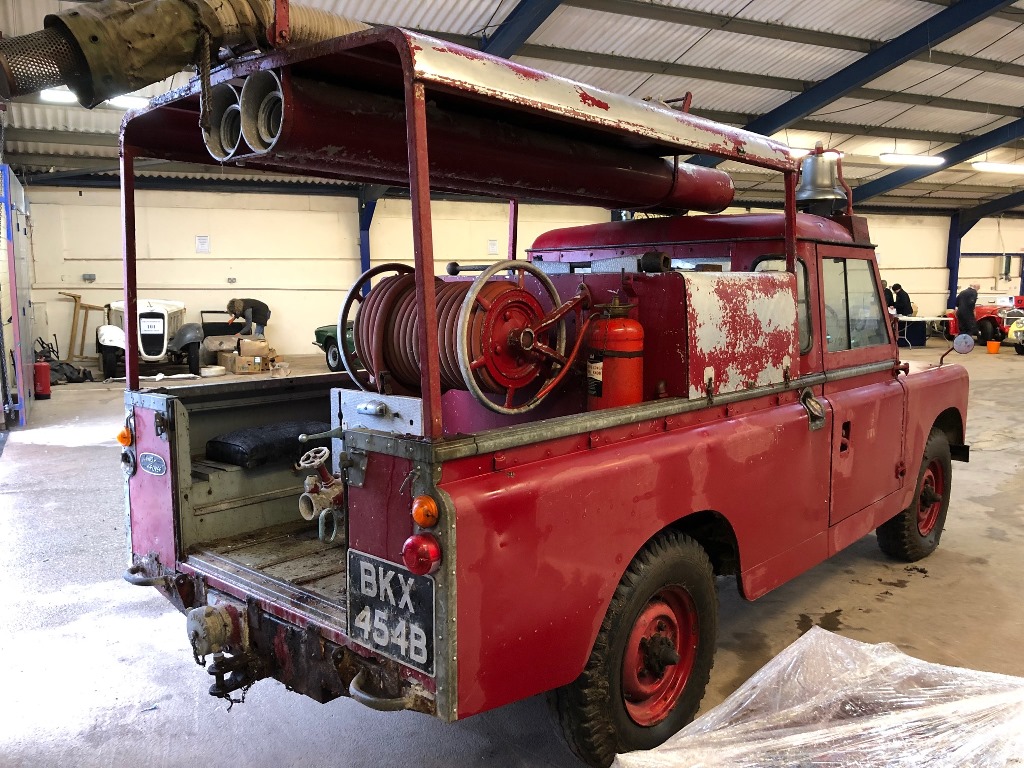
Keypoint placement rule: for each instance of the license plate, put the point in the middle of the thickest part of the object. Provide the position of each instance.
(390, 611)
(151, 325)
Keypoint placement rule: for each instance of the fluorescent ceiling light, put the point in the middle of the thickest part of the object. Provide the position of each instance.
(58, 96)
(1015, 168)
(894, 158)
(128, 102)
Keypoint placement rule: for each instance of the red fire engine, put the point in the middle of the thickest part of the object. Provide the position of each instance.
(533, 477)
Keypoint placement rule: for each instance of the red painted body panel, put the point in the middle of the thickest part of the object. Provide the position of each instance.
(542, 546)
(380, 512)
(151, 498)
(678, 229)
(867, 441)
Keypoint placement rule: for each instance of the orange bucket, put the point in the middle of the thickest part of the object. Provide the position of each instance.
(993, 347)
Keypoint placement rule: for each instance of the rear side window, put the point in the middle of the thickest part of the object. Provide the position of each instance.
(778, 264)
(854, 317)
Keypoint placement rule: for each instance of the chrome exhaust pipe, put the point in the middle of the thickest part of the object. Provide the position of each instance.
(224, 139)
(262, 111)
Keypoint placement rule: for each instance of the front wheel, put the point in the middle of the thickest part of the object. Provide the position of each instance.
(333, 356)
(194, 363)
(986, 331)
(915, 532)
(652, 658)
(1019, 348)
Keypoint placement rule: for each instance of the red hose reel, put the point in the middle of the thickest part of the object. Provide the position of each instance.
(494, 336)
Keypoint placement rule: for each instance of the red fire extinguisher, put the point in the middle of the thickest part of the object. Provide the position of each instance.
(615, 362)
(41, 373)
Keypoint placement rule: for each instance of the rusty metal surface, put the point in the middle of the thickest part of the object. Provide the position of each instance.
(452, 66)
(151, 498)
(741, 331)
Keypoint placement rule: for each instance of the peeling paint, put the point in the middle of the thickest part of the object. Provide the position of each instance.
(742, 328)
(592, 101)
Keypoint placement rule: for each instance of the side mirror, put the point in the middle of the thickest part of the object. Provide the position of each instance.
(962, 344)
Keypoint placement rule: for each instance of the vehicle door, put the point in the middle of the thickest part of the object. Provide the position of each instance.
(866, 398)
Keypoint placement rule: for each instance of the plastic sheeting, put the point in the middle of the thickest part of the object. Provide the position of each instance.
(831, 701)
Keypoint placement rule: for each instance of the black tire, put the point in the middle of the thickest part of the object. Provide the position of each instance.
(333, 356)
(1019, 348)
(108, 361)
(986, 331)
(915, 532)
(615, 706)
(195, 364)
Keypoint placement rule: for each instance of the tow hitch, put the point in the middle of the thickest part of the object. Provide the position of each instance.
(212, 630)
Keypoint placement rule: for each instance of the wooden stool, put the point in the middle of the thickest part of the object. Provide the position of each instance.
(80, 322)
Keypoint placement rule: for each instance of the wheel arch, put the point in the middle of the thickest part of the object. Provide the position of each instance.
(715, 534)
(951, 423)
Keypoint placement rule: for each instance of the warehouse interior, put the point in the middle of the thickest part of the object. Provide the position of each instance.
(923, 100)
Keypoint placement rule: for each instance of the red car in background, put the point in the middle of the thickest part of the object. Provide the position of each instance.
(993, 322)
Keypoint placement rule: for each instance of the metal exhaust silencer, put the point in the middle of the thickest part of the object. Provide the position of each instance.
(262, 111)
(224, 139)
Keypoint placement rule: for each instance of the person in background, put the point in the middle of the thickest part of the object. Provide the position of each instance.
(966, 301)
(255, 313)
(902, 301)
(890, 301)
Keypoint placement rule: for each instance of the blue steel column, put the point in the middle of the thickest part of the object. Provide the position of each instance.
(953, 258)
(369, 194)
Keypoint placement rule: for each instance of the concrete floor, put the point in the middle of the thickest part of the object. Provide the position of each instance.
(98, 673)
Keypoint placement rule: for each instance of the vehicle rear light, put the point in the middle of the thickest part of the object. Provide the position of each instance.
(124, 437)
(424, 511)
(421, 554)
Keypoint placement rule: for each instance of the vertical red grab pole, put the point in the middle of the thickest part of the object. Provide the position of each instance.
(423, 244)
(131, 293)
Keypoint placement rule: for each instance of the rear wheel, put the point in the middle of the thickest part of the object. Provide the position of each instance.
(652, 658)
(1019, 348)
(333, 356)
(194, 363)
(986, 331)
(915, 532)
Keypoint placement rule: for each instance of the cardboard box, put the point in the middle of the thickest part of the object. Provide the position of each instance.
(253, 348)
(243, 363)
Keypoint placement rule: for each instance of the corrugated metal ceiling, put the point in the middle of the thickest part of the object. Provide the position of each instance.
(732, 73)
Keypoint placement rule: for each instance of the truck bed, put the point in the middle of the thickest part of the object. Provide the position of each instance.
(286, 564)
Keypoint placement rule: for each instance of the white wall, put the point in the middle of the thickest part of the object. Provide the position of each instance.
(912, 251)
(299, 254)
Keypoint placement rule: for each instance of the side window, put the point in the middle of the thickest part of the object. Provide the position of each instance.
(853, 311)
(803, 313)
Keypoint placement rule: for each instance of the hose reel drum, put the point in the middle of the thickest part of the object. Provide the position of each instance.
(495, 336)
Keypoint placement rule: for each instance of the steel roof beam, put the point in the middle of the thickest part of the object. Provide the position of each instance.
(939, 27)
(521, 22)
(792, 85)
(1010, 15)
(958, 154)
(971, 216)
(705, 20)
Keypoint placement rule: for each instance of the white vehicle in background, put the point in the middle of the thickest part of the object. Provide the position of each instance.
(164, 336)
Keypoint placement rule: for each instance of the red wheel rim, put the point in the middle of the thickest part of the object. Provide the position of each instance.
(650, 687)
(929, 503)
